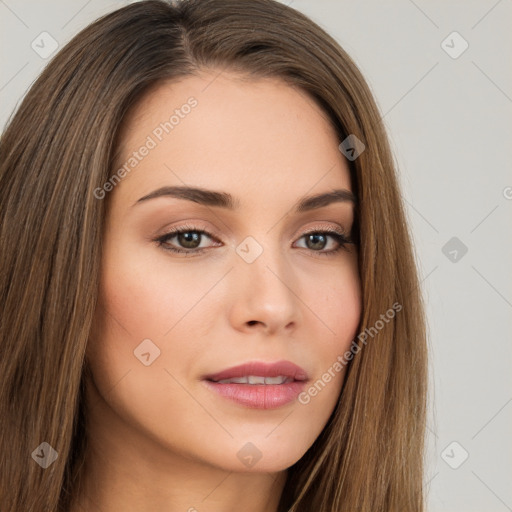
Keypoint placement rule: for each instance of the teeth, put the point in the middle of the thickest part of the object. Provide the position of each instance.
(255, 379)
(236, 380)
(275, 380)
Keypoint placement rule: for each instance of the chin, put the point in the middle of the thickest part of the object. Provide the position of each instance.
(261, 456)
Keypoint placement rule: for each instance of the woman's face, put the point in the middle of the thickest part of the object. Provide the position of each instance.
(255, 288)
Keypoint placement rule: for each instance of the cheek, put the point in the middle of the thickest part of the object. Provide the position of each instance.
(338, 309)
(138, 302)
(338, 305)
(138, 305)
(144, 296)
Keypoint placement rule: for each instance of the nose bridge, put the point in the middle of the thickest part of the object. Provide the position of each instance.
(266, 283)
(264, 260)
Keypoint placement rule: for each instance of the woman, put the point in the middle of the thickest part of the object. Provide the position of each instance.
(209, 295)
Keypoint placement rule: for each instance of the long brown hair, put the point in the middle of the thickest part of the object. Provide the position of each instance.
(60, 146)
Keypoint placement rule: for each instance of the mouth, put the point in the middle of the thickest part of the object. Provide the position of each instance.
(259, 385)
(255, 379)
(258, 372)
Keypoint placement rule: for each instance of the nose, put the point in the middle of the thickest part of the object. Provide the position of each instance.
(264, 296)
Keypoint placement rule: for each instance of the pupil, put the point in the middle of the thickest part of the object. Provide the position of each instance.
(190, 239)
(316, 244)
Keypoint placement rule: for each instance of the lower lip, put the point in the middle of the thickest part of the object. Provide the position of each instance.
(259, 396)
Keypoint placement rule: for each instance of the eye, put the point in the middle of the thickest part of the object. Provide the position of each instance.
(188, 240)
(316, 241)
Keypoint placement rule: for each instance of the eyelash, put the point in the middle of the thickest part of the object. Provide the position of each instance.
(162, 241)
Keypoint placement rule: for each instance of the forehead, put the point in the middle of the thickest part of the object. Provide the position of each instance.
(221, 130)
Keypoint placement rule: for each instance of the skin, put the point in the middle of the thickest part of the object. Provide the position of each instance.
(159, 440)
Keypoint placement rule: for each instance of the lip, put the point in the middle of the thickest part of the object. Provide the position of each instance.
(285, 368)
(259, 396)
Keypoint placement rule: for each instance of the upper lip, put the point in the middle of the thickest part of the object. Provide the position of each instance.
(262, 369)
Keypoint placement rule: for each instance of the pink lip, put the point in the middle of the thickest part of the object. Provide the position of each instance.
(260, 396)
(285, 368)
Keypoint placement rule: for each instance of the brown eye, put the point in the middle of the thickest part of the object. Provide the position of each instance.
(184, 240)
(317, 241)
(189, 239)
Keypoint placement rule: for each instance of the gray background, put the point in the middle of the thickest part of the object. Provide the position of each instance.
(448, 117)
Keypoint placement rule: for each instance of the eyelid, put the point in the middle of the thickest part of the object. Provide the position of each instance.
(324, 227)
(174, 231)
(190, 226)
(339, 234)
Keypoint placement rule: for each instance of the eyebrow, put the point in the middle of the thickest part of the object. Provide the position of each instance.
(225, 200)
